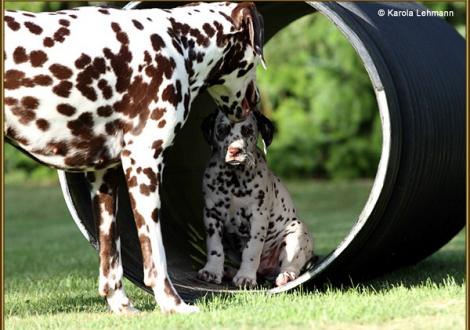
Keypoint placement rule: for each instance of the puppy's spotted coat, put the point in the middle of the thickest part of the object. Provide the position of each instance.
(91, 89)
(244, 199)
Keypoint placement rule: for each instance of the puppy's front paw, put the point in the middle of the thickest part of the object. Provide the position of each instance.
(210, 275)
(243, 280)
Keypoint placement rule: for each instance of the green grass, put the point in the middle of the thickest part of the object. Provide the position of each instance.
(51, 276)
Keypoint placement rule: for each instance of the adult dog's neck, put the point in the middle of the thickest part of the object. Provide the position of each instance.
(206, 36)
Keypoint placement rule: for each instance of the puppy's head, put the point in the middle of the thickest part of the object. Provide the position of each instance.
(236, 142)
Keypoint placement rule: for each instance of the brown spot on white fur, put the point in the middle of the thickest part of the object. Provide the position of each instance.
(63, 89)
(60, 71)
(12, 24)
(19, 55)
(37, 58)
(66, 109)
(42, 124)
(33, 28)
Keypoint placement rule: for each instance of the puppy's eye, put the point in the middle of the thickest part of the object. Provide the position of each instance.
(246, 131)
(223, 131)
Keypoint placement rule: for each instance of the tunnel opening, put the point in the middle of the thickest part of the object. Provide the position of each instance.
(378, 233)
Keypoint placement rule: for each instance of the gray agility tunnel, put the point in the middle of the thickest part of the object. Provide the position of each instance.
(417, 202)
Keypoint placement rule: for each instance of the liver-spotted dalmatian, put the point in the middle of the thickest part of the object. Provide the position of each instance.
(246, 201)
(91, 89)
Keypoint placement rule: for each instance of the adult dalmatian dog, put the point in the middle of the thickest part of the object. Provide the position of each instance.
(246, 205)
(91, 89)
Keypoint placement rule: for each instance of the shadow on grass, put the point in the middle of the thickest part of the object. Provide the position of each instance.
(443, 268)
(27, 257)
(446, 267)
(437, 270)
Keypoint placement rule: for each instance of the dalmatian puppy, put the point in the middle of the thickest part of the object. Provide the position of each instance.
(94, 89)
(243, 198)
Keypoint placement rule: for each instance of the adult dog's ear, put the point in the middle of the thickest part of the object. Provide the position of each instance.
(265, 127)
(208, 127)
(246, 16)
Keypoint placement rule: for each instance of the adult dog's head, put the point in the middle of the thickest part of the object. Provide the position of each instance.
(236, 142)
(232, 81)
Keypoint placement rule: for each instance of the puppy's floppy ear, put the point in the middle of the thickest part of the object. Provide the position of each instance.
(246, 16)
(208, 127)
(265, 127)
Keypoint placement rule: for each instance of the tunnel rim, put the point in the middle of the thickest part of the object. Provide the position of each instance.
(397, 154)
(382, 173)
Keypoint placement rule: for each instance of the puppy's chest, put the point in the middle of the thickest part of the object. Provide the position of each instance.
(240, 186)
(234, 194)
(239, 222)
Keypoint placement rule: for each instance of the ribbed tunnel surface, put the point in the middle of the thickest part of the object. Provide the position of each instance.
(417, 203)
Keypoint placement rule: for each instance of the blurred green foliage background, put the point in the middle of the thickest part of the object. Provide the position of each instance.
(316, 91)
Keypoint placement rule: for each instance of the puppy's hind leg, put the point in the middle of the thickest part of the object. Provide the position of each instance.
(104, 192)
(296, 252)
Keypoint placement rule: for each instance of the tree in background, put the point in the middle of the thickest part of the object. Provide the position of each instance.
(315, 90)
(318, 93)
(321, 99)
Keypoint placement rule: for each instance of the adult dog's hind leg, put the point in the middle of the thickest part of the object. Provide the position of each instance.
(104, 193)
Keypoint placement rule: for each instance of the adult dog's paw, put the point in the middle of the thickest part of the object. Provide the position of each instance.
(245, 280)
(210, 275)
(118, 303)
(182, 308)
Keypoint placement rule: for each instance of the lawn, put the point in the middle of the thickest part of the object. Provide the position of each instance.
(51, 276)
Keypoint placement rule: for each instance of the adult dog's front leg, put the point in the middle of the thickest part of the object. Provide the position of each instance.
(143, 166)
(104, 188)
(246, 275)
